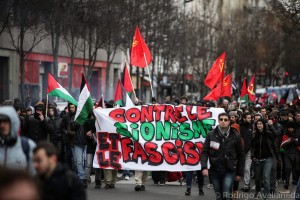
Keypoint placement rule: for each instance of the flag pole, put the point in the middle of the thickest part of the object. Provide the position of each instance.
(135, 98)
(47, 105)
(102, 102)
(149, 75)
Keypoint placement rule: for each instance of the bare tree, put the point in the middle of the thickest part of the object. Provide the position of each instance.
(72, 33)
(5, 14)
(26, 30)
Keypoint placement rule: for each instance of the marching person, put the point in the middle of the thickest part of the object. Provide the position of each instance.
(263, 150)
(15, 151)
(246, 133)
(37, 127)
(141, 178)
(224, 148)
(56, 181)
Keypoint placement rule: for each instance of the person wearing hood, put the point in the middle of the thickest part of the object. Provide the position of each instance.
(246, 133)
(54, 122)
(77, 141)
(15, 151)
(37, 127)
(67, 134)
(29, 111)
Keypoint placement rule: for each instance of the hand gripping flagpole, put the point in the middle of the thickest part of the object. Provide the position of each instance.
(149, 75)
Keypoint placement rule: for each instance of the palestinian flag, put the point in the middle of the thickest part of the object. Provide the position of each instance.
(85, 103)
(293, 96)
(121, 97)
(127, 83)
(56, 90)
(244, 93)
(284, 97)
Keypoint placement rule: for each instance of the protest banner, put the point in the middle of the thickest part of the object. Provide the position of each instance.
(153, 137)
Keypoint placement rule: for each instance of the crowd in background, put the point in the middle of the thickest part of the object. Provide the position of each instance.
(270, 135)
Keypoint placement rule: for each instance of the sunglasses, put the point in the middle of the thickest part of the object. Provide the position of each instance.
(223, 119)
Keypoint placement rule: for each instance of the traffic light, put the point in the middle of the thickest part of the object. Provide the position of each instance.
(286, 73)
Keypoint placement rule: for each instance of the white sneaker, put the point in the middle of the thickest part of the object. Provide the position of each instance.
(119, 175)
(210, 186)
(126, 177)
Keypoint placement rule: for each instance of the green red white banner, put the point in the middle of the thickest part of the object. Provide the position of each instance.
(153, 137)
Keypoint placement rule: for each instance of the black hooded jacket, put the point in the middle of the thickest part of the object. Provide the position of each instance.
(62, 185)
(247, 135)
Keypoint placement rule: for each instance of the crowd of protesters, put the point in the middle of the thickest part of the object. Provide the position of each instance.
(265, 140)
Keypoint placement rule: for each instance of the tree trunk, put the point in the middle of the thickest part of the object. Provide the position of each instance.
(108, 89)
(22, 69)
(70, 72)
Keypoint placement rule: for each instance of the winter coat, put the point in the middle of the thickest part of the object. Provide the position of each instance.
(36, 129)
(62, 185)
(73, 131)
(54, 123)
(11, 152)
(247, 135)
(223, 153)
(258, 137)
(89, 125)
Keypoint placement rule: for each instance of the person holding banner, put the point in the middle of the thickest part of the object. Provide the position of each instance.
(141, 178)
(224, 148)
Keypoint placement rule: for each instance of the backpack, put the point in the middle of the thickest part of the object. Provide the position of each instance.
(25, 148)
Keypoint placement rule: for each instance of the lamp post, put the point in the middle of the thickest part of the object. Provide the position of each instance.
(184, 63)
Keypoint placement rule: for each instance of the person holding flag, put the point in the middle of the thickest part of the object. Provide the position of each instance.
(75, 129)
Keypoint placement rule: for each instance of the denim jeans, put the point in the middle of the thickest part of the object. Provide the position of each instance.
(248, 162)
(222, 182)
(189, 177)
(79, 156)
(263, 172)
(126, 173)
(89, 166)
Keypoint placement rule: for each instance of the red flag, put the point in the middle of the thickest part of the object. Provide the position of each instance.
(216, 73)
(140, 53)
(127, 80)
(250, 89)
(264, 98)
(227, 86)
(216, 93)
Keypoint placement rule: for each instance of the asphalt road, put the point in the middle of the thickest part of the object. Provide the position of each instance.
(171, 191)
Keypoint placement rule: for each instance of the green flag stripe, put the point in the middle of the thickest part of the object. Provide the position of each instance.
(59, 93)
(245, 98)
(86, 109)
(119, 102)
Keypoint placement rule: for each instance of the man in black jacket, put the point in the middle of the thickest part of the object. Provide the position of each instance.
(76, 137)
(224, 149)
(56, 181)
(246, 133)
(37, 127)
